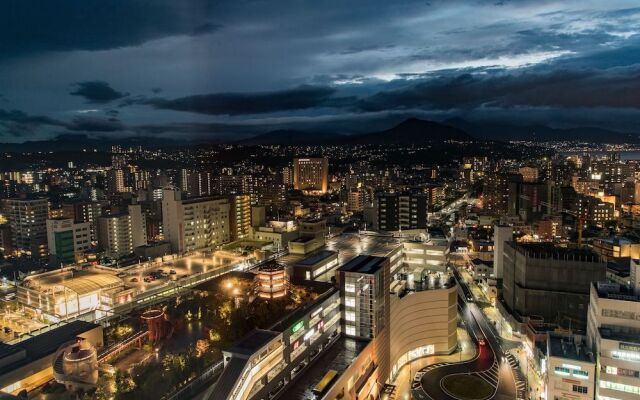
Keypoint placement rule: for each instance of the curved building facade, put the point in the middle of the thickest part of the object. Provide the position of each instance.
(422, 323)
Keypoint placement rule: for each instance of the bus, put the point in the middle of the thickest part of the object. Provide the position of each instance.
(324, 382)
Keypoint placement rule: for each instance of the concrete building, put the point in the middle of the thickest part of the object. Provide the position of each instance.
(571, 368)
(549, 281)
(501, 235)
(28, 221)
(405, 211)
(138, 225)
(240, 216)
(355, 201)
(614, 335)
(611, 248)
(432, 255)
(27, 365)
(84, 211)
(311, 174)
(262, 363)
(312, 267)
(115, 235)
(67, 241)
(194, 224)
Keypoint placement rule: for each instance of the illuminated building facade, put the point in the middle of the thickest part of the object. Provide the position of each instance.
(311, 174)
(271, 281)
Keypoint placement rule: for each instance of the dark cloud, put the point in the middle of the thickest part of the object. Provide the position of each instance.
(97, 92)
(299, 98)
(18, 123)
(88, 123)
(43, 26)
(616, 87)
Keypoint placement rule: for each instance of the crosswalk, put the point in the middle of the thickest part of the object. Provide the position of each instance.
(490, 375)
(521, 380)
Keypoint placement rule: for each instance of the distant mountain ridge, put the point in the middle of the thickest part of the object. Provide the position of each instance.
(72, 142)
(292, 137)
(541, 133)
(410, 131)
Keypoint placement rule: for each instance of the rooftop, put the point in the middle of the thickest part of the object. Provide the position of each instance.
(568, 347)
(614, 291)
(338, 358)
(316, 257)
(364, 264)
(253, 341)
(551, 251)
(46, 343)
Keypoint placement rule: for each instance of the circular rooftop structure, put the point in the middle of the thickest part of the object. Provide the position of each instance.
(271, 281)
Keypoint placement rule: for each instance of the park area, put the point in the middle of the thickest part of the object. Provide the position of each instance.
(204, 322)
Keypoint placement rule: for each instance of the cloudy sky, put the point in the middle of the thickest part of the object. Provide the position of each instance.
(229, 68)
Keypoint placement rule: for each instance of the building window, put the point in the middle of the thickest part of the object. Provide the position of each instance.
(350, 316)
(351, 330)
(350, 301)
(580, 389)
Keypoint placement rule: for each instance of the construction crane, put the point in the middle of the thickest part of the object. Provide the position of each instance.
(551, 208)
(578, 216)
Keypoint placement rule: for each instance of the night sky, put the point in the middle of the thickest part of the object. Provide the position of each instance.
(224, 69)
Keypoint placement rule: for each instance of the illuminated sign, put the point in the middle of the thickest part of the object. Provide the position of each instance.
(297, 326)
(309, 334)
(629, 346)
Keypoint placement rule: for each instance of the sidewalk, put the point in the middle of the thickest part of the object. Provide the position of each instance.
(405, 375)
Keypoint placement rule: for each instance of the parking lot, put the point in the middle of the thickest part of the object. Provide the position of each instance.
(155, 274)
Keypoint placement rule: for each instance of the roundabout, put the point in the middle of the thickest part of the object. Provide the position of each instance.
(467, 387)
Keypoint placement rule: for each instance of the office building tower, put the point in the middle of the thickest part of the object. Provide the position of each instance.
(398, 211)
(68, 241)
(192, 224)
(28, 221)
(311, 174)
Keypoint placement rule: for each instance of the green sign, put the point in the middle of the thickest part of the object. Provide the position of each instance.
(297, 326)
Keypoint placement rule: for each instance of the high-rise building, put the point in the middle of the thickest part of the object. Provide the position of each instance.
(115, 235)
(138, 224)
(115, 181)
(398, 211)
(240, 216)
(496, 193)
(364, 289)
(541, 279)
(501, 235)
(355, 201)
(84, 211)
(192, 224)
(68, 241)
(311, 174)
(614, 335)
(28, 221)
